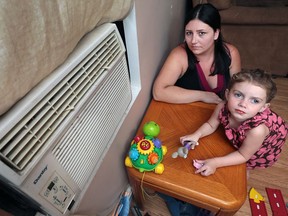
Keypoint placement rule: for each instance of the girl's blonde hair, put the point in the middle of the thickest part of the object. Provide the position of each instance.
(258, 77)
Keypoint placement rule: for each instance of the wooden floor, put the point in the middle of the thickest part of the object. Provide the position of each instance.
(275, 177)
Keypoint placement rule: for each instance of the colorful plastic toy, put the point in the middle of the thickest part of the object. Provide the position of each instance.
(197, 165)
(257, 203)
(276, 201)
(146, 153)
(184, 150)
(181, 152)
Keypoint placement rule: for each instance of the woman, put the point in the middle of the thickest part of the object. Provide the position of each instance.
(200, 68)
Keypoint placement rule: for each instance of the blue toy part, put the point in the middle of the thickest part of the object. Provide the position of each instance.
(157, 143)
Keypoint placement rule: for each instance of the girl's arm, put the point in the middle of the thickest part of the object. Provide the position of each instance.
(207, 128)
(253, 141)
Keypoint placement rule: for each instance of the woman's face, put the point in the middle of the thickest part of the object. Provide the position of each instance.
(200, 37)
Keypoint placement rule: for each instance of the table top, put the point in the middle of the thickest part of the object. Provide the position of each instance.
(225, 189)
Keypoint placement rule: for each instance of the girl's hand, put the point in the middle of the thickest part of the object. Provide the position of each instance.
(189, 141)
(208, 167)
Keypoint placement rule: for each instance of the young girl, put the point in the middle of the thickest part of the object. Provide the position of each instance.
(257, 132)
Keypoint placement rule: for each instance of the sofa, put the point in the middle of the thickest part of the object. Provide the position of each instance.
(259, 29)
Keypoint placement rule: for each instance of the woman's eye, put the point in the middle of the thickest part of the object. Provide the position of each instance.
(202, 33)
(188, 33)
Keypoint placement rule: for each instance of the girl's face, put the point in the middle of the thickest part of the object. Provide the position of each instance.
(245, 100)
(200, 37)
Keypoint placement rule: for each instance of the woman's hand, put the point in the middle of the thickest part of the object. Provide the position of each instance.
(208, 167)
(211, 97)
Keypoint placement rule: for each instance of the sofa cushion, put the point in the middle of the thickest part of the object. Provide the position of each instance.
(261, 3)
(255, 15)
(220, 5)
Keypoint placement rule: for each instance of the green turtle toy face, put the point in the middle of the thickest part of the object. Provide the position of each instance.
(151, 129)
(146, 153)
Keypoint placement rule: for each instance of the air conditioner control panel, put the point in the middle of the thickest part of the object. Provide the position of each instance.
(58, 193)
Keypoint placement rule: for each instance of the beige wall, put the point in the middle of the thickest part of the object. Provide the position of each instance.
(158, 27)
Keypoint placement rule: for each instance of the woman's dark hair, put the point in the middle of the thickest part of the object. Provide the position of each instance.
(208, 14)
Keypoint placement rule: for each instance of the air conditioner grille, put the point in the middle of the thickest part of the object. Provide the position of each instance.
(83, 146)
(23, 142)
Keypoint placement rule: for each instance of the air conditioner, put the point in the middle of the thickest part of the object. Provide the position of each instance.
(54, 139)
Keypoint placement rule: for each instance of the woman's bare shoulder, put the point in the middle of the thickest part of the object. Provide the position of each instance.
(179, 50)
(231, 48)
(235, 59)
(178, 55)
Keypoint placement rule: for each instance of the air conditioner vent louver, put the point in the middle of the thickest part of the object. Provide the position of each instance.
(25, 140)
(82, 148)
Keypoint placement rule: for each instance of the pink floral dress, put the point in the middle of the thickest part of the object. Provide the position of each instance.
(271, 148)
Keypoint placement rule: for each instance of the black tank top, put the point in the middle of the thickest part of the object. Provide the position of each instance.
(191, 80)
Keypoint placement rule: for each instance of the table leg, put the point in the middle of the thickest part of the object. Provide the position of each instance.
(137, 192)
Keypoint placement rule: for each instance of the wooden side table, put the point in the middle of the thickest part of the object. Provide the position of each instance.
(222, 193)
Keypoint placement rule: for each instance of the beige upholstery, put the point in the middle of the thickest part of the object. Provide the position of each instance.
(37, 36)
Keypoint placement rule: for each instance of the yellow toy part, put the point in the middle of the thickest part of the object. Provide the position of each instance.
(164, 150)
(128, 162)
(256, 196)
(159, 169)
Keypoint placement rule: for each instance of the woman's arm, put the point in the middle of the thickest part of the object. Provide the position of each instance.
(164, 88)
(253, 141)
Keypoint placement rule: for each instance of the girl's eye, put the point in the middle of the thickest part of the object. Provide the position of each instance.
(255, 101)
(237, 95)
(188, 33)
